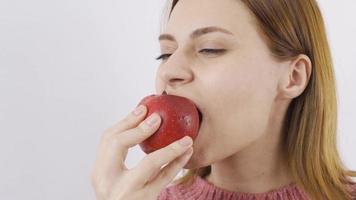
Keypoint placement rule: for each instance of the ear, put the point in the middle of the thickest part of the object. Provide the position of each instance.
(294, 77)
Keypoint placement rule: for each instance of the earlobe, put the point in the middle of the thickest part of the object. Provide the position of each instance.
(295, 77)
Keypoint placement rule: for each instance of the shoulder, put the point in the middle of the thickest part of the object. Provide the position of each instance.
(352, 189)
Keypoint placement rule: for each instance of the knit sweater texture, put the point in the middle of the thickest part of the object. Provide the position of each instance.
(202, 189)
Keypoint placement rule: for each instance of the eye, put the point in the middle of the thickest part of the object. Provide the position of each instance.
(163, 57)
(204, 51)
(212, 51)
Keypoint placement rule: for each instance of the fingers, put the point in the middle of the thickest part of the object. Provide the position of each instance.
(114, 154)
(153, 162)
(129, 122)
(170, 171)
(137, 135)
(114, 146)
(108, 141)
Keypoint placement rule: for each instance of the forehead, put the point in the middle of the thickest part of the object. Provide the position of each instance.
(189, 15)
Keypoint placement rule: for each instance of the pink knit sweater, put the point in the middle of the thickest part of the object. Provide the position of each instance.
(201, 189)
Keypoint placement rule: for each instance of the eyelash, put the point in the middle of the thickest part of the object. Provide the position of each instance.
(209, 51)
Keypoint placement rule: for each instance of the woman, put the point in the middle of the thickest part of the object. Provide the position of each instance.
(261, 72)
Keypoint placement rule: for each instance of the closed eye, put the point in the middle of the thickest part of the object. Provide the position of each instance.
(203, 51)
(163, 56)
(212, 51)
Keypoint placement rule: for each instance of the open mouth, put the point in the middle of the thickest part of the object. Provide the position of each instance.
(200, 116)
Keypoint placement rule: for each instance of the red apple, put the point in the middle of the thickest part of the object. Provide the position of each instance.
(180, 117)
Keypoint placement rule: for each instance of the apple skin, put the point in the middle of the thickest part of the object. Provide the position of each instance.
(180, 117)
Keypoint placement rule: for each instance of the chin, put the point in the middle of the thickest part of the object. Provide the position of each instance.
(193, 164)
(189, 165)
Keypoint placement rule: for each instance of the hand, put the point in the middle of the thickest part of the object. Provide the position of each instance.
(112, 180)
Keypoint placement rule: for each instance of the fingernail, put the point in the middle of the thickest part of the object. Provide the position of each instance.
(186, 141)
(153, 119)
(138, 110)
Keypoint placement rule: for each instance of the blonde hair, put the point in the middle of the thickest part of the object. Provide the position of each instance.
(291, 28)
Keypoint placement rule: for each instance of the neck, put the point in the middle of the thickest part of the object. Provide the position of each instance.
(260, 167)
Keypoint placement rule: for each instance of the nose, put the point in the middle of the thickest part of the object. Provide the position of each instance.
(175, 72)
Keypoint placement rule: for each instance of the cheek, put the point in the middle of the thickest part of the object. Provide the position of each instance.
(245, 101)
(238, 108)
(245, 88)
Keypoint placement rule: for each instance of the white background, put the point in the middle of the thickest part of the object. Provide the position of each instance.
(70, 69)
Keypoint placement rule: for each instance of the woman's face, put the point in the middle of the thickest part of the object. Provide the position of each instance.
(235, 88)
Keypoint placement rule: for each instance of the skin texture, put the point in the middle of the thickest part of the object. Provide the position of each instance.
(243, 93)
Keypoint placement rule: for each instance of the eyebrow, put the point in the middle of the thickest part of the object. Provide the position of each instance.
(197, 33)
